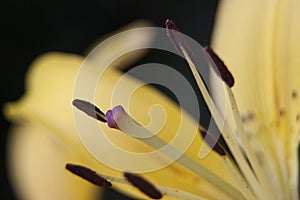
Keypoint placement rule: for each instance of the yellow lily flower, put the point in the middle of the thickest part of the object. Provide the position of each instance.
(265, 165)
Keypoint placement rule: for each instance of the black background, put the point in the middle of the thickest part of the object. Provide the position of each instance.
(32, 27)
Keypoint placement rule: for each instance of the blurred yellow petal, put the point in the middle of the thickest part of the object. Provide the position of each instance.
(47, 104)
(36, 162)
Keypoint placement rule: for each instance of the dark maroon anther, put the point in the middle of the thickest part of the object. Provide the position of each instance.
(170, 25)
(172, 34)
(212, 142)
(177, 39)
(89, 109)
(88, 175)
(221, 70)
(143, 185)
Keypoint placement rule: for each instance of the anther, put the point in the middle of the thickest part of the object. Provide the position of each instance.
(143, 185)
(179, 42)
(212, 141)
(177, 39)
(88, 175)
(89, 109)
(222, 70)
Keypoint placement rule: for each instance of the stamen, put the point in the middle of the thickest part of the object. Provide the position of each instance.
(160, 191)
(170, 28)
(226, 132)
(177, 41)
(88, 175)
(176, 38)
(261, 176)
(171, 152)
(89, 109)
(165, 191)
(143, 185)
(238, 178)
(212, 141)
(222, 70)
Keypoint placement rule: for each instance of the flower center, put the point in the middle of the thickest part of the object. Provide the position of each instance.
(240, 159)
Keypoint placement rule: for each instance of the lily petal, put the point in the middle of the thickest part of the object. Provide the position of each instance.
(36, 166)
(244, 42)
(33, 121)
(259, 42)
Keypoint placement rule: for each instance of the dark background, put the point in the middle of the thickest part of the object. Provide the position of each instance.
(32, 27)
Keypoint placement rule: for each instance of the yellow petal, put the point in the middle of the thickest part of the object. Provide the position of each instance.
(36, 163)
(243, 39)
(260, 41)
(287, 66)
(57, 120)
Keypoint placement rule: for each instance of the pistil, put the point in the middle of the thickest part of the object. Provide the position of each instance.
(127, 125)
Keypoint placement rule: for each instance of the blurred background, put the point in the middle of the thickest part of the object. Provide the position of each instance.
(30, 28)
